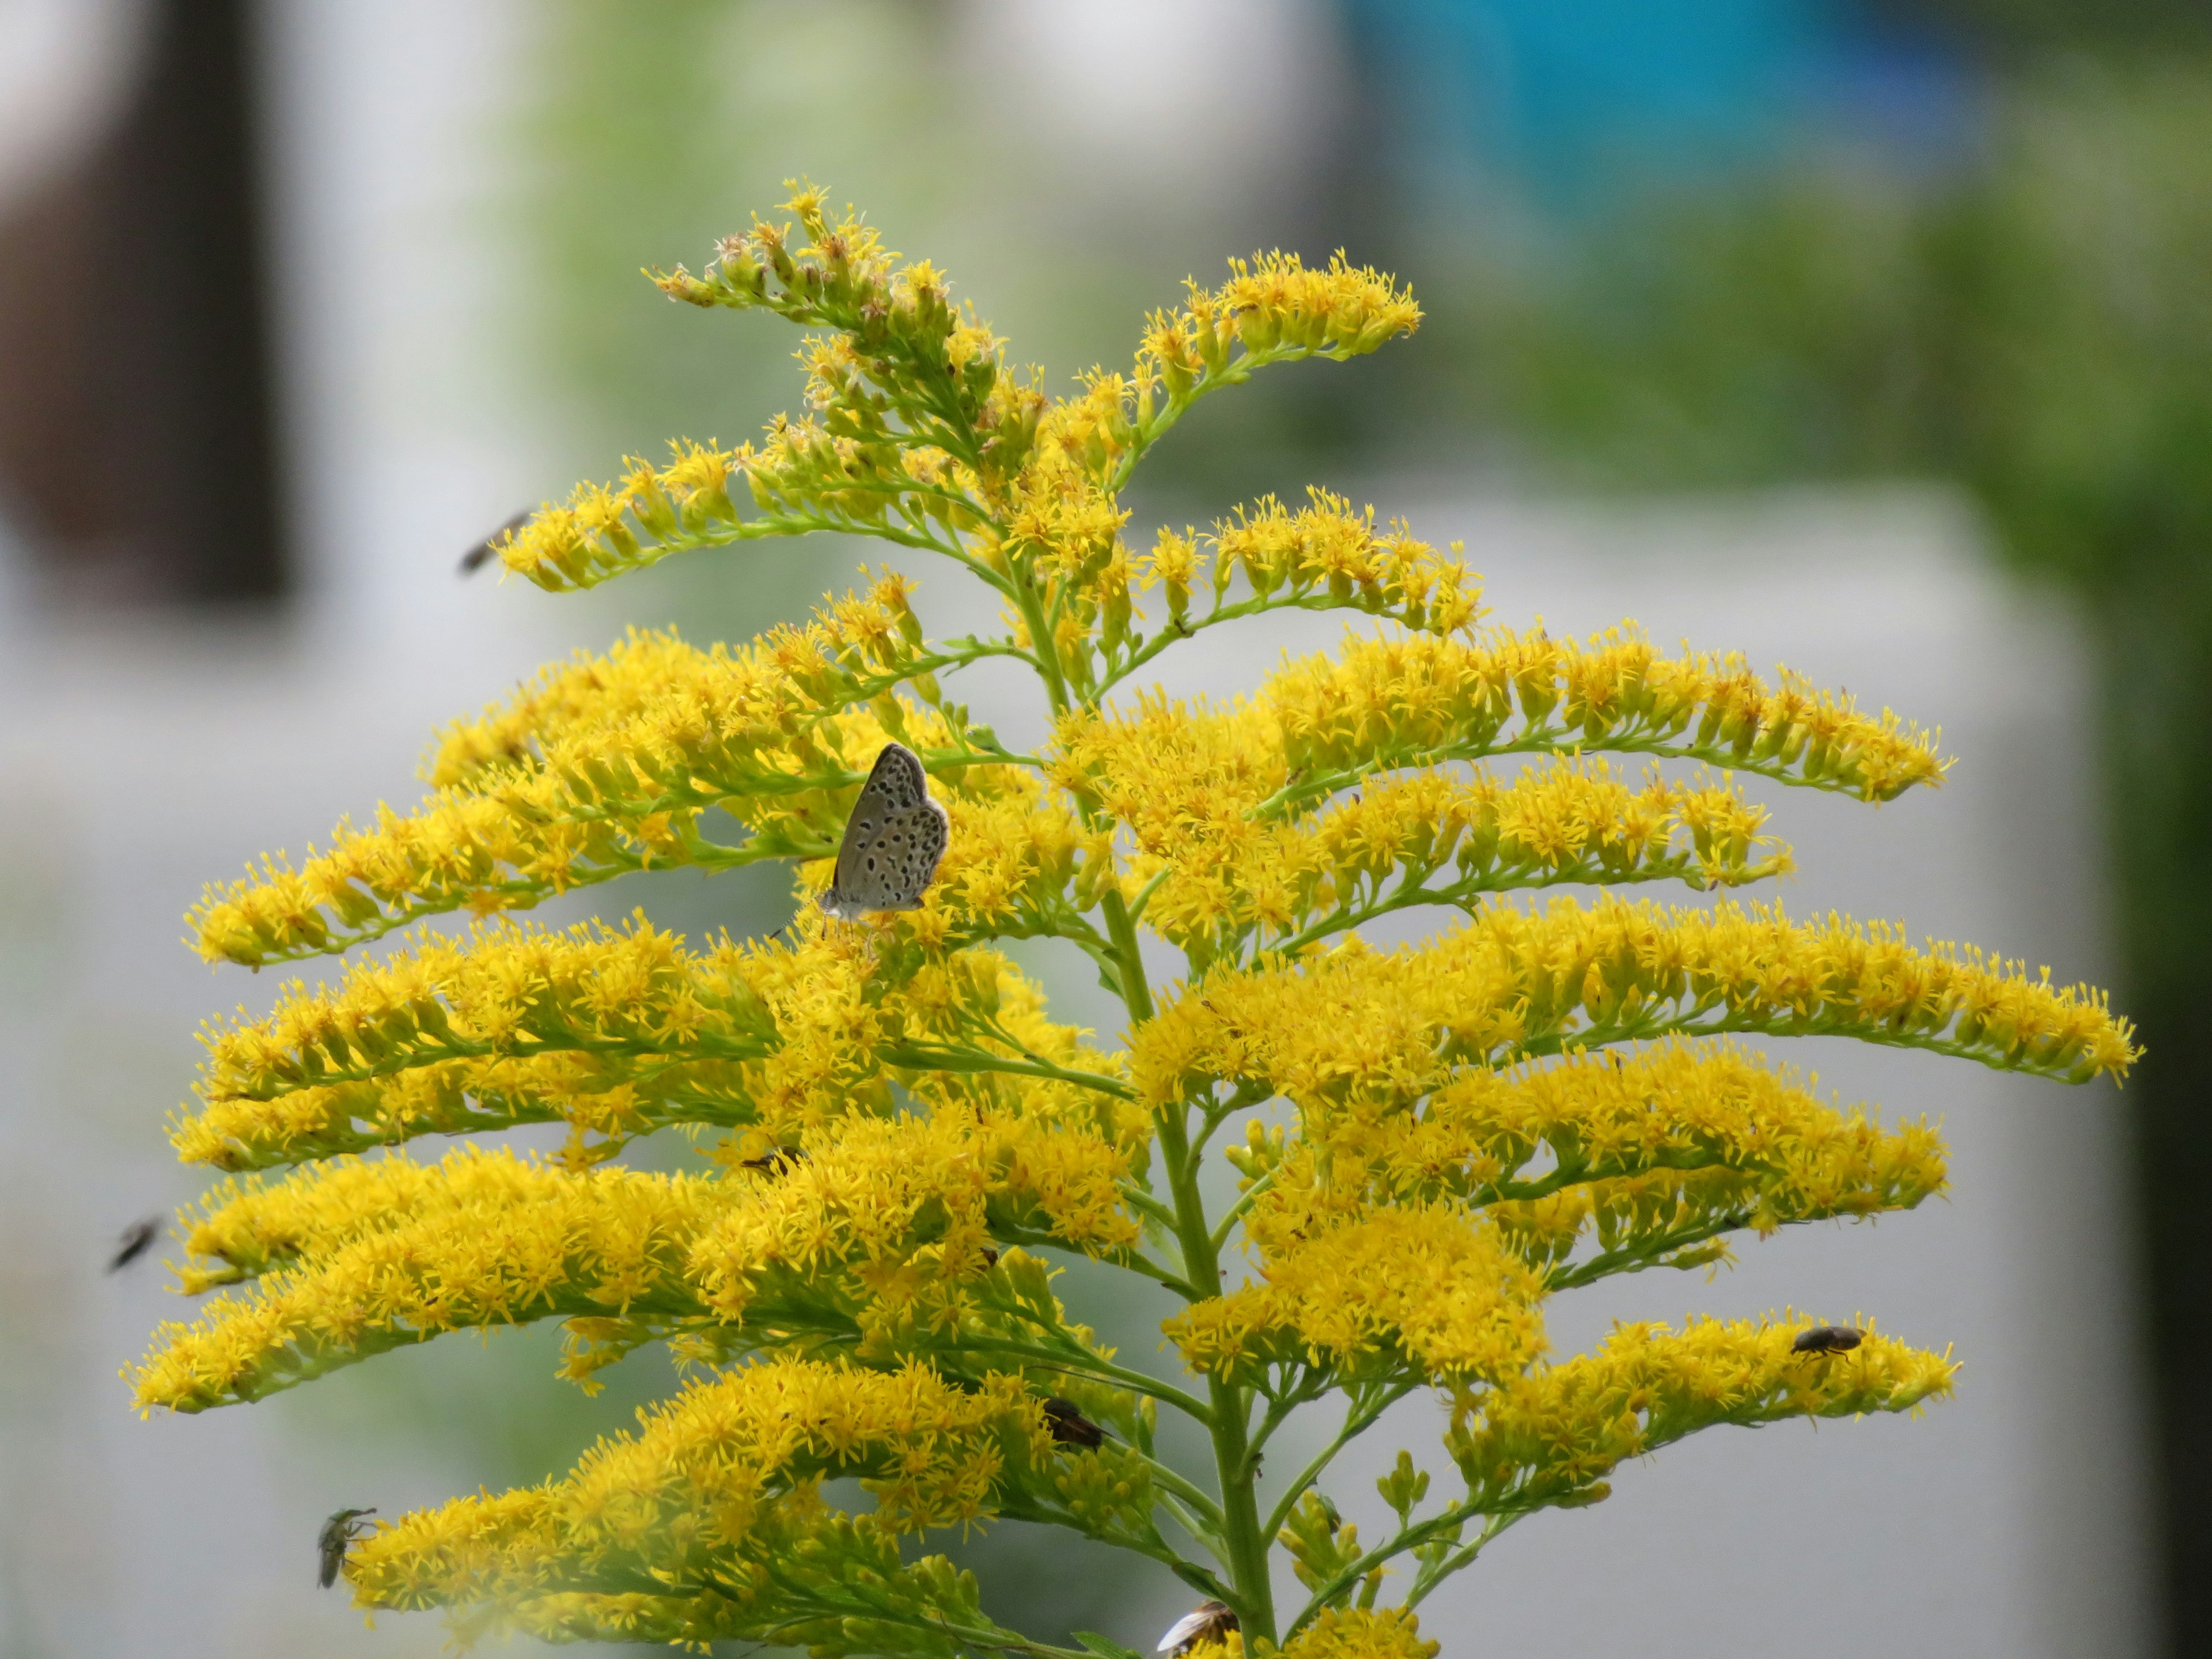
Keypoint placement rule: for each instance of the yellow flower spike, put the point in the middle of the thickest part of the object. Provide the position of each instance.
(1394, 703)
(899, 1132)
(1353, 1023)
(1557, 1433)
(1655, 1153)
(606, 768)
(743, 1454)
(477, 1241)
(616, 1032)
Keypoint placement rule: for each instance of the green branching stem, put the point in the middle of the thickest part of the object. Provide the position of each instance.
(920, 1057)
(1431, 1575)
(1177, 629)
(1236, 1212)
(1463, 895)
(1359, 1417)
(1144, 434)
(1410, 1537)
(1103, 1370)
(772, 525)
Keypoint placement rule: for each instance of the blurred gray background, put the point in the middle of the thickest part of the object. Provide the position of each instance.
(1874, 341)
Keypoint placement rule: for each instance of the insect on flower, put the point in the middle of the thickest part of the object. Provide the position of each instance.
(893, 841)
(1209, 1621)
(1069, 1427)
(483, 553)
(775, 1161)
(1827, 1338)
(137, 1238)
(330, 1544)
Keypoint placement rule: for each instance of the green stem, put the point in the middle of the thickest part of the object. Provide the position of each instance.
(1228, 1415)
(914, 1057)
(1135, 992)
(1357, 1421)
(1409, 1537)
(1043, 651)
(1428, 1579)
(1135, 1381)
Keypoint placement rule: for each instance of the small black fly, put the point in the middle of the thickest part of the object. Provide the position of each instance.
(137, 1238)
(332, 1543)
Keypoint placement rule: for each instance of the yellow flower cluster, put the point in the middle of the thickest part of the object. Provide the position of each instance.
(879, 1228)
(1535, 1099)
(477, 1241)
(1351, 1025)
(1385, 703)
(1272, 309)
(1407, 1289)
(1556, 1434)
(1194, 788)
(900, 1213)
(1653, 1153)
(1362, 1633)
(609, 766)
(1325, 554)
(718, 1492)
(1272, 306)
(618, 1032)
(852, 651)
(1335, 1633)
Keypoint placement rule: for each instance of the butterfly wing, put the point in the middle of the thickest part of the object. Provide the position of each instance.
(893, 842)
(1183, 1629)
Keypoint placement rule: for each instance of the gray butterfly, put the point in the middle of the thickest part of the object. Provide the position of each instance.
(892, 842)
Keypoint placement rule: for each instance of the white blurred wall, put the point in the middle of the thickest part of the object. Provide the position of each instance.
(140, 757)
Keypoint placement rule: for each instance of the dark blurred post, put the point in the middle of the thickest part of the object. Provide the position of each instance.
(137, 453)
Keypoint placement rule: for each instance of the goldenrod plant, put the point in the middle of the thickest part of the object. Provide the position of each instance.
(1428, 1142)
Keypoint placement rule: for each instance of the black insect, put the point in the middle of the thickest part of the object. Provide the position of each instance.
(137, 1238)
(990, 1258)
(332, 1543)
(1209, 1621)
(483, 553)
(1827, 1338)
(775, 1161)
(1069, 1427)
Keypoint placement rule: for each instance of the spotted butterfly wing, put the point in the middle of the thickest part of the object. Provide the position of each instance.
(892, 842)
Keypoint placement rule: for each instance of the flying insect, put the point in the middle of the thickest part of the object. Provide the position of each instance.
(137, 1238)
(484, 552)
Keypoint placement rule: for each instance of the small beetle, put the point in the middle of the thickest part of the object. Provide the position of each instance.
(331, 1544)
(1069, 1427)
(1827, 1338)
(1207, 1622)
